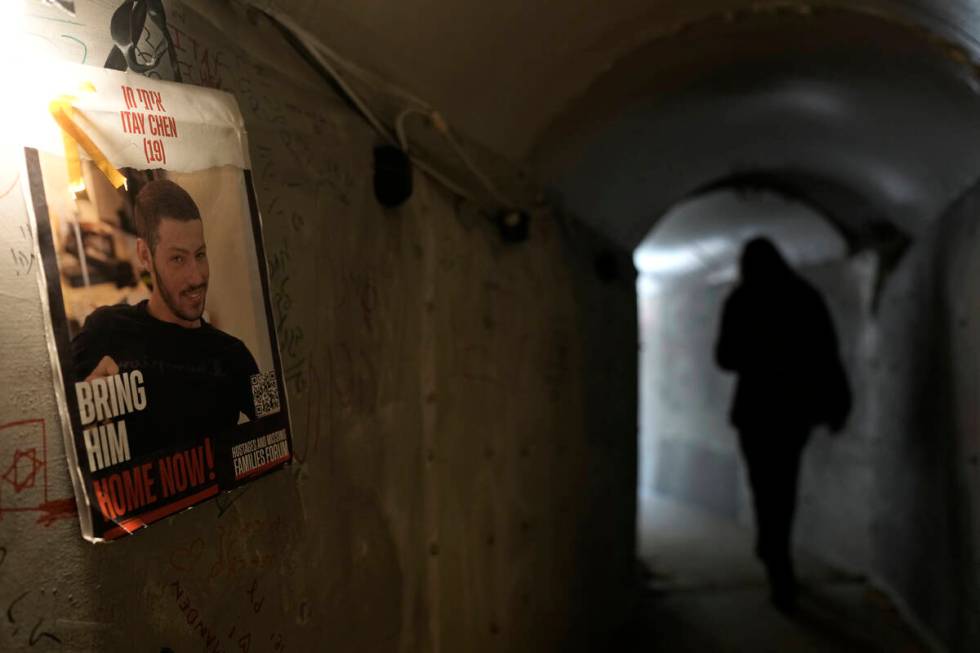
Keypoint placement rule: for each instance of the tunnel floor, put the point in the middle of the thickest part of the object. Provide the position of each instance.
(705, 592)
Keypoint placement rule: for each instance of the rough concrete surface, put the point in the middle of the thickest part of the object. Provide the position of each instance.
(455, 451)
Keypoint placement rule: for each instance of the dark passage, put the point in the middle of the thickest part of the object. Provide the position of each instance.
(704, 592)
(778, 337)
(752, 518)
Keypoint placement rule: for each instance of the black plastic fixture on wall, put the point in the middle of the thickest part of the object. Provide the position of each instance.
(514, 225)
(606, 266)
(392, 176)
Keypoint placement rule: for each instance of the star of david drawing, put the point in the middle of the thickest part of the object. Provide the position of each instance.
(22, 472)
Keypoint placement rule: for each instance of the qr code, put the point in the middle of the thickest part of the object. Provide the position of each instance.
(265, 393)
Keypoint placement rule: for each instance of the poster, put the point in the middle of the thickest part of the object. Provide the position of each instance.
(159, 321)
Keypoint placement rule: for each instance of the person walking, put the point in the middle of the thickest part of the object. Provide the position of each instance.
(778, 337)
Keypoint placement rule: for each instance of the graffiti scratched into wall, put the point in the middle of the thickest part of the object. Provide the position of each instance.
(24, 473)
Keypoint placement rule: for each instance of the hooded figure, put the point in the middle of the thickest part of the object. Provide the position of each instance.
(778, 337)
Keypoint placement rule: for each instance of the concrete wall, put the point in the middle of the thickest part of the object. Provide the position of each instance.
(684, 399)
(927, 523)
(463, 410)
(958, 292)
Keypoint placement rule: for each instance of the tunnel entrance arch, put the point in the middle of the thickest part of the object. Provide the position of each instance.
(695, 514)
(686, 267)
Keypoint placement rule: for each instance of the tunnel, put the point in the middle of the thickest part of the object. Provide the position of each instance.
(497, 240)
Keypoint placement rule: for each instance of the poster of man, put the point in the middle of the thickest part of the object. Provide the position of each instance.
(161, 332)
(200, 374)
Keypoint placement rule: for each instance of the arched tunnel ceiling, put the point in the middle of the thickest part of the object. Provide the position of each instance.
(700, 240)
(623, 107)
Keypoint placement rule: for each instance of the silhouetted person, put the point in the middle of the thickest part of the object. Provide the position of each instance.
(778, 336)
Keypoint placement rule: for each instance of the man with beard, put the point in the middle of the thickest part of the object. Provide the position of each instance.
(196, 378)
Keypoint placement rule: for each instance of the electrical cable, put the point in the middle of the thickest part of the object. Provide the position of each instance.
(400, 124)
(329, 61)
(310, 43)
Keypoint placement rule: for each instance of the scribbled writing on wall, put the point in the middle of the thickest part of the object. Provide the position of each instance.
(21, 245)
(269, 114)
(221, 558)
(292, 337)
(216, 637)
(22, 621)
(23, 260)
(326, 172)
(300, 372)
(24, 473)
(197, 62)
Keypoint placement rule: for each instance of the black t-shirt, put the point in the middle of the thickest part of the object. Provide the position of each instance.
(197, 381)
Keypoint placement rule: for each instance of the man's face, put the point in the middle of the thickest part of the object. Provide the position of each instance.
(180, 268)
